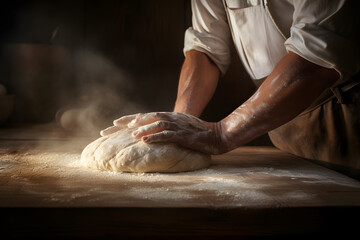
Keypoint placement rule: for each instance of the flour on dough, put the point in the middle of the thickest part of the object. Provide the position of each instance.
(120, 152)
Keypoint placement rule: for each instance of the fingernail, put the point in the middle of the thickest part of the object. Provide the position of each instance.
(145, 139)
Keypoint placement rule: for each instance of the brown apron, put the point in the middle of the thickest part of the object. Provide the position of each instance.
(328, 131)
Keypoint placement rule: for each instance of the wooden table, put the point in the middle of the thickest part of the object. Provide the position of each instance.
(249, 192)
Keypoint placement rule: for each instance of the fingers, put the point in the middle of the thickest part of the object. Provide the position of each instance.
(109, 130)
(144, 121)
(154, 127)
(138, 120)
(125, 120)
(164, 136)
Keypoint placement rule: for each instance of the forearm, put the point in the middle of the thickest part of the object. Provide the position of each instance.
(197, 83)
(293, 85)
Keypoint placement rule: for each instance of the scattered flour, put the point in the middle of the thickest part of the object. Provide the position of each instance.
(219, 185)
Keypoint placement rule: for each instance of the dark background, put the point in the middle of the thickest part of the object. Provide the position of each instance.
(109, 57)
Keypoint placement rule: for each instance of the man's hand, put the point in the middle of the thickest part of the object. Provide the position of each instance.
(183, 129)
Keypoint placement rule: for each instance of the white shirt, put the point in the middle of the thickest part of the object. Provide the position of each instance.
(324, 32)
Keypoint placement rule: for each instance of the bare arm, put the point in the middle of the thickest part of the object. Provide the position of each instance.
(198, 80)
(293, 85)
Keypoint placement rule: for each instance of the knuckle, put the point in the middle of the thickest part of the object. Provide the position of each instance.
(138, 116)
(163, 115)
(158, 124)
(162, 124)
(167, 133)
(156, 114)
(176, 114)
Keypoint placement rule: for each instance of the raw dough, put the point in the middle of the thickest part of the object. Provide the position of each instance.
(120, 152)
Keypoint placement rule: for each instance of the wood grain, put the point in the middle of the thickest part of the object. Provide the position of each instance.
(251, 191)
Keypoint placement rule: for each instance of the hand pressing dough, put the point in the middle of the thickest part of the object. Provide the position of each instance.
(120, 152)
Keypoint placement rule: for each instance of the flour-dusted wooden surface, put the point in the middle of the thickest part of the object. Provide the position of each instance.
(39, 169)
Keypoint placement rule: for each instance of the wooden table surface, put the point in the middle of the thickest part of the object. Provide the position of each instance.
(251, 191)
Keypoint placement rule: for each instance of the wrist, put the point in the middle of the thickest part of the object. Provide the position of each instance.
(222, 140)
(233, 134)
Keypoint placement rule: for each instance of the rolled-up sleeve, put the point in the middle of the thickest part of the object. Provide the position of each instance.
(210, 32)
(324, 32)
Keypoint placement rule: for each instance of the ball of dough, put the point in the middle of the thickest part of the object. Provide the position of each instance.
(120, 152)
